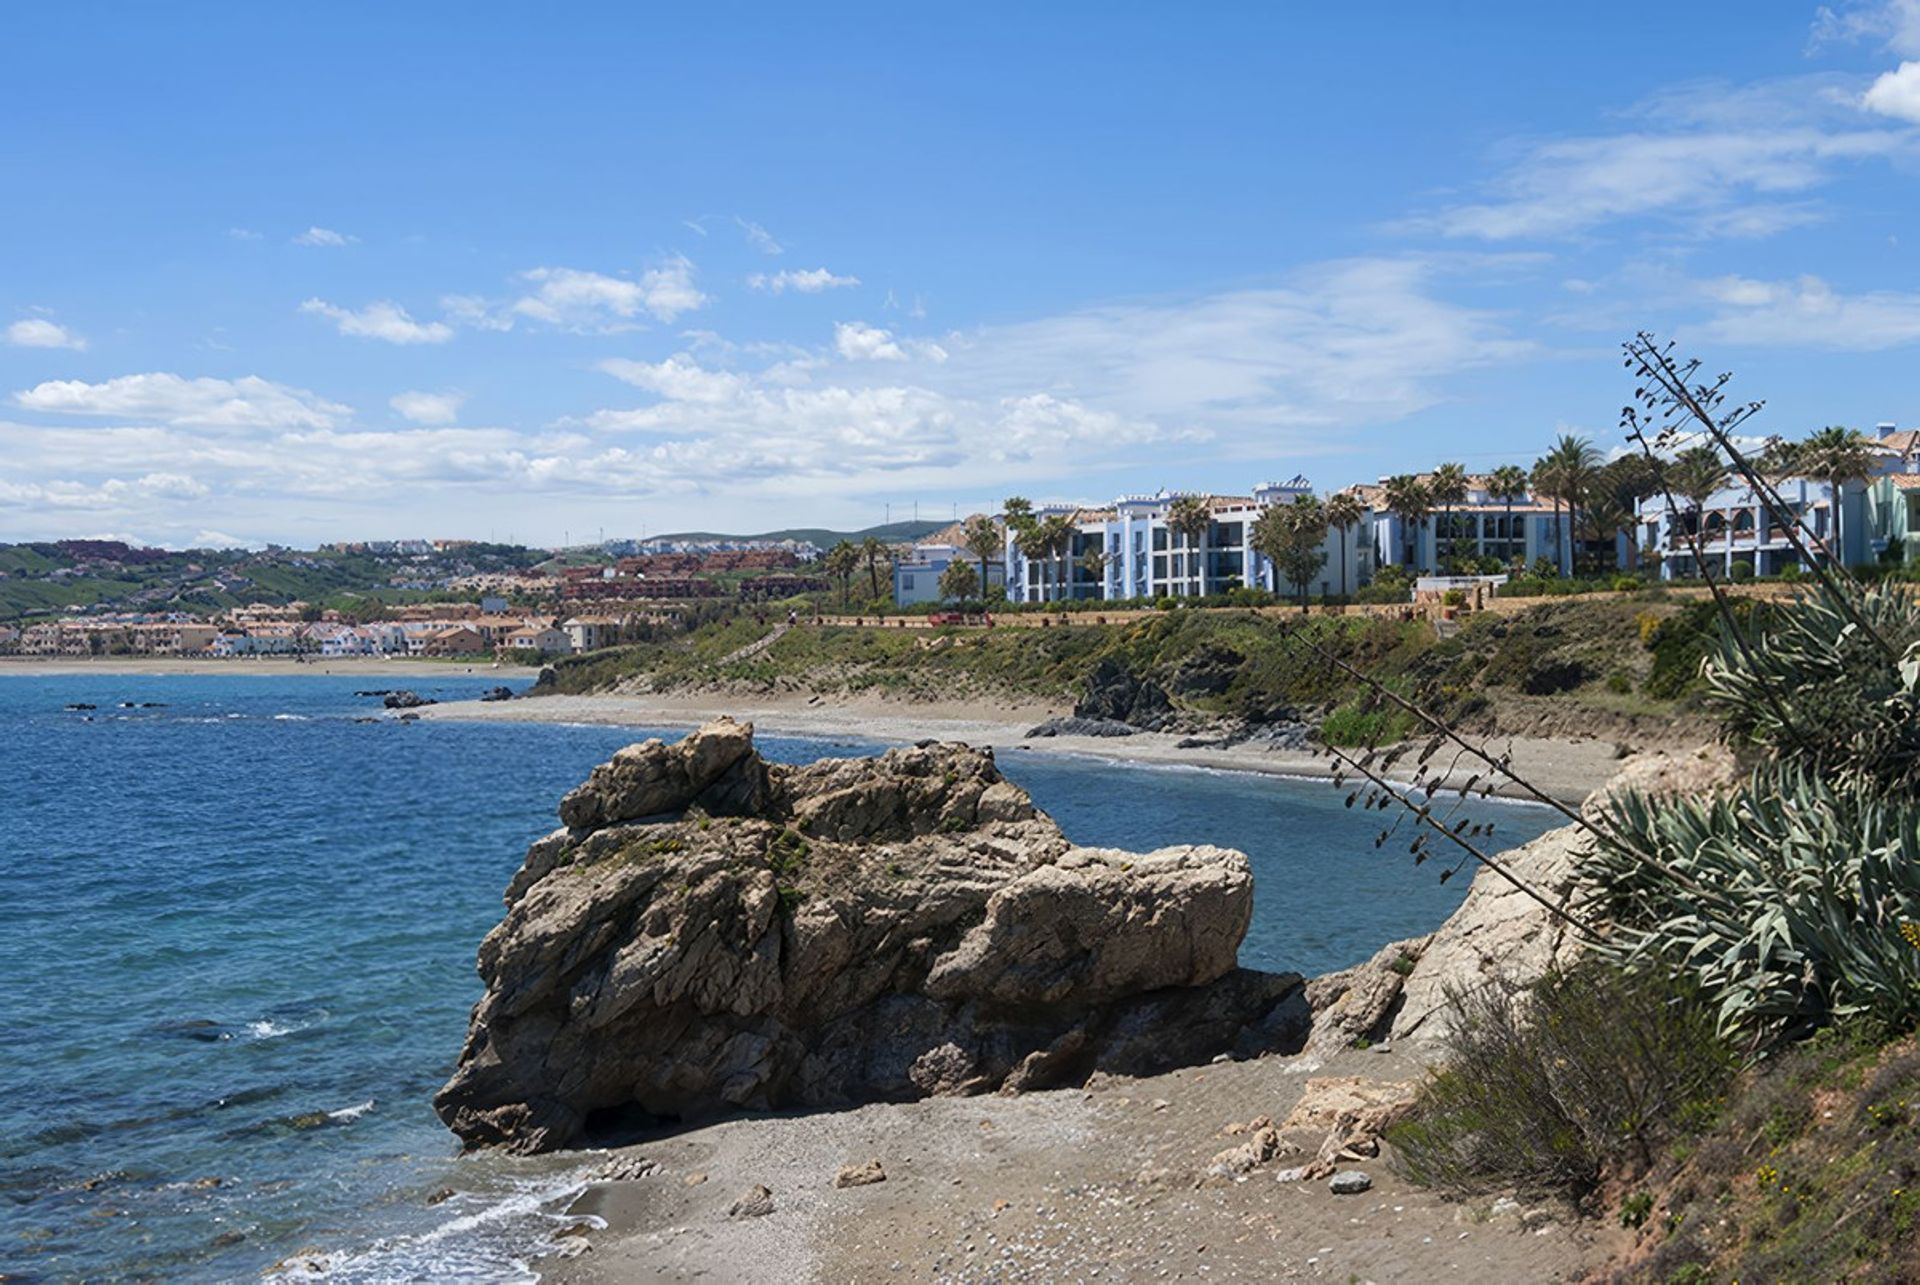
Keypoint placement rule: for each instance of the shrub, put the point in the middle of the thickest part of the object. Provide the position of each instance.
(1454, 598)
(1550, 1089)
(1742, 569)
(1619, 682)
(1626, 584)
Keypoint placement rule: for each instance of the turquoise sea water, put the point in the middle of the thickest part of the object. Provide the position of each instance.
(237, 931)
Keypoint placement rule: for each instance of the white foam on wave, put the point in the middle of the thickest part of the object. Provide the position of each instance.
(291, 718)
(351, 1113)
(492, 1242)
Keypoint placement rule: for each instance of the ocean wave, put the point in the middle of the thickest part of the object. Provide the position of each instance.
(291, 718)
(494, 1240)
(354, 1112)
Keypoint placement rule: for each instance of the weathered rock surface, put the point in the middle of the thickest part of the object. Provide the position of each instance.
(712, 931)
(405, 700)
(1115, 693)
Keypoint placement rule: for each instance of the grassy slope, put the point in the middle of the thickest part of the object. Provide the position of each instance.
(1574, 662)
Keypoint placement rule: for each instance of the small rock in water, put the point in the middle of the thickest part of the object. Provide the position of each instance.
(860, 1175)
(441, 1196)
(756, 1202)
(1349, 1182)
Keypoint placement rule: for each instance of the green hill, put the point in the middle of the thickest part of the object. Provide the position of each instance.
(890, 533)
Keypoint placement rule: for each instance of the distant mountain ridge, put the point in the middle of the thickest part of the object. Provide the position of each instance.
(891, 532)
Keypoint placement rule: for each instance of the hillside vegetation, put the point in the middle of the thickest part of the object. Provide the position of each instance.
(1558, 666)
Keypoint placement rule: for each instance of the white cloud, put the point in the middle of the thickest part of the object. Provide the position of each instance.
(581, 300)
(243, 234)
(804, 281)
(38, 332)
(169, 399)
(1896, 23)
(758, 237)
(428, 408)
(1807, 312)
(475, 312)
(858, 341)
(1716, 161)
(678, 378)
(111, 493)
(1896, 93)
(317, 236)
(383, 320)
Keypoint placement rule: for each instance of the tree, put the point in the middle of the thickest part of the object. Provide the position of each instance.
(1344, 512)
(984, 540)
(1094, 563)
(873, 551)
(842, 561)
(1017, 513)
(1035, 544)
(1507, 484)
(1293, 538)
(1695, 474)
(1189, 517)
(1573, 463)
(1447, 487)
(1836, 456)
(1408, 500)
(1057, 533)
(959, 582)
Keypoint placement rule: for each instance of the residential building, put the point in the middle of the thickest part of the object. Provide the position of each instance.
(545, 639)
(916, 577)
(452, 640)
(1488, 528)
(1140, 555)
(1868, 520)
(591, 633)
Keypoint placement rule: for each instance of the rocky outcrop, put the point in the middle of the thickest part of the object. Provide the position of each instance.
(405, 700)
(1116, 694)
(711, 931)
(1498, 933)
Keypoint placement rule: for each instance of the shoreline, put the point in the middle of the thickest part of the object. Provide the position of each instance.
(1566, 769)
(257, 667)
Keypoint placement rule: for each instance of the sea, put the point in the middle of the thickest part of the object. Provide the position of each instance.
(238, 917)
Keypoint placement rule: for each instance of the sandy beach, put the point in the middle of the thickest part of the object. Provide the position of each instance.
(261, 667)
(1565, 769)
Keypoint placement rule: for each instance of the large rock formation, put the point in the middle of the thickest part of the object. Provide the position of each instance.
(710, 930)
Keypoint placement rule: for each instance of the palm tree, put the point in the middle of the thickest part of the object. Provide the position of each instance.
(1017, 513)
(1035, 543)
(1695, 474)
(872, 550)
(1057, 532)
(982, 538)
(1094, 563)
(1189, 517)
(1507, 484)
(1836, 456)
(842, 561)
(1344, 512)
(1574, 464)
(958, 582)
(1409, 501)
(1447, 487)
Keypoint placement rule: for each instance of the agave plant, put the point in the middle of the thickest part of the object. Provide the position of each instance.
(1806, 905)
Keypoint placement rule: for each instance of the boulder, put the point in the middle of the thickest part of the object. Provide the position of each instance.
(1115, 693)
(712, 932)
(405, 700)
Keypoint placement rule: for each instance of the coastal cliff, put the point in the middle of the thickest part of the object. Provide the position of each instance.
(712, 931)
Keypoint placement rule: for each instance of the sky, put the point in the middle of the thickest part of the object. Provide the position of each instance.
(305, 272)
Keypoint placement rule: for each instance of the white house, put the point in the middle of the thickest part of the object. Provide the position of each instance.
(916, 578)
(1142, 556)
(545, 639)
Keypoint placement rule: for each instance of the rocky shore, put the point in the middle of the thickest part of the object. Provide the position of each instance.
(710, 931)
(878, 1018)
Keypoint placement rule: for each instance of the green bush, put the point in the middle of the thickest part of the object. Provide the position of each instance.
(1620, 683)
(1551, 1089)
(1626, 584)
(1742, 569)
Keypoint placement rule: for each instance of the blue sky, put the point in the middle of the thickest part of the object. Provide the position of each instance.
(310, 272)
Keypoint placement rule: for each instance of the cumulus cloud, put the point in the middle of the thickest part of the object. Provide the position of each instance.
(1252, 374)
(428, 408)
(805, 281)
(111, 493)
(678, 378)
(383, 320)
(38, 332)
(581, 300)
(172, 400)
(1896, 93)
(1807, 312)
(324, 237)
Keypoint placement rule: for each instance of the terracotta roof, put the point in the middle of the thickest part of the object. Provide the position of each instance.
(956, 533)
(1905, 481)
